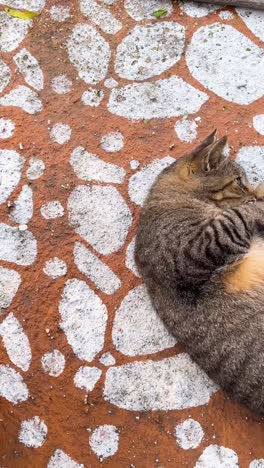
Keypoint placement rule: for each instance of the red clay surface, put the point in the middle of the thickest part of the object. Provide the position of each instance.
(146, 438)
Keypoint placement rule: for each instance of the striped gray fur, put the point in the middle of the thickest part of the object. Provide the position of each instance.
(201, 223)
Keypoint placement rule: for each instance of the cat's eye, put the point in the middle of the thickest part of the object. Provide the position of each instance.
(241, 183)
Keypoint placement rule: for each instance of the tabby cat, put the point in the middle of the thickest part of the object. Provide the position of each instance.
(200, 251)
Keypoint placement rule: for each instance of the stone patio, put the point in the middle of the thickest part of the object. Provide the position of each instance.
(96, 98)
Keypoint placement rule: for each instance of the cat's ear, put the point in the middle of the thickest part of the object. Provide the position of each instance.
(208, 141)
(209, 155)
(214, 156)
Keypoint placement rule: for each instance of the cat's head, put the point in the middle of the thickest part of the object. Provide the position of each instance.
(208, 173)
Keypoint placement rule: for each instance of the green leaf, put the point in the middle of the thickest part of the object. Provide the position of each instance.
(25, 14)
(159, 13)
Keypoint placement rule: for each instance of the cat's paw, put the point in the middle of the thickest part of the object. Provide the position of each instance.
(259, 192)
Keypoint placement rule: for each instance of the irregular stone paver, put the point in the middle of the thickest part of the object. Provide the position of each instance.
(60, 133)
(60, 13)
(137, 329)
(220, 457)
(22, 210)
(186, 130)
(257, 464)
(35, 169)
(226, 15)
(88, 166)
(101, 216)
(33, 432)
(141, 181)
(104, 441)
(87, 377)
(61, 84)
(31, 5)
(170, 97)
(112, 142)
(258, 123)
(51, 210)
(10, 281)
(92, 97)
(100, 16)
(16, 342)
(30, 69)
(12, 31)
(17, 246)
(89, 53)
(197, 10)
(232, 75)
(97, 97)
(53, 363)
(83, 319)
(7, 128)
(55, 267)
(60, 459)
(254, 20)
(90, 265)
(149, 50)
(11, 165)
(24, 98)
(130, 260)
(175, 383)
(12, 386)
(139, 10)
(5, 75)
(251, 159)
(189, 434)
(107, 359)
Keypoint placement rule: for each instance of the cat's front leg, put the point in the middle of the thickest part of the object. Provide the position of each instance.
(259, 215)
(256, 211)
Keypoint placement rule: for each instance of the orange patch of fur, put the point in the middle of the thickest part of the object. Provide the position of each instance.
(248, 274)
